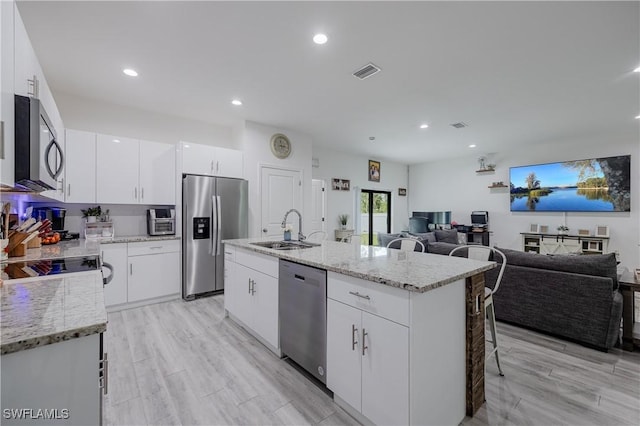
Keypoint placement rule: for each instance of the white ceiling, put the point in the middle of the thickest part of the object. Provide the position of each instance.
(518, 73)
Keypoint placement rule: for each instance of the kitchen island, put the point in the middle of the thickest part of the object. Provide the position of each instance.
(405, 330)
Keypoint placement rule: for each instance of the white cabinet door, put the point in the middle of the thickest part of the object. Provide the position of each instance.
(230, 297)
(80, 167)
(228, 163)
(117, 170)
(385, 371)
(153, 276)
(264, 290)
(243, 301)
(7, 154)
(198, 159)
(115, 293)
(157, 173)
(26, 64)
(344, 353)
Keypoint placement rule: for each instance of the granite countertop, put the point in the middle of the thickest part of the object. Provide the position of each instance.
(62, 250)
(138, 239)
(418, 272)
(44, 310)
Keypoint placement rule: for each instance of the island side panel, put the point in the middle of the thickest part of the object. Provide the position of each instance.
(437, 357)
(475, 351)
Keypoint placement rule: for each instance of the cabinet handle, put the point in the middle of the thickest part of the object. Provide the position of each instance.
(249, 285)
(105, 365)
(364, 346)
(142, 193)
(253, 287)
(218, 166)
(212, 166)
(354, 334)
(135, 193)
(364, 296)
(155, 247)
(69, 189)
(131, 269)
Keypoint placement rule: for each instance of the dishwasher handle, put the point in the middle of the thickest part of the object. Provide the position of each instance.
(299, 277)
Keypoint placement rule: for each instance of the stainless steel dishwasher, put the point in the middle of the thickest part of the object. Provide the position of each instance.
(303, 316)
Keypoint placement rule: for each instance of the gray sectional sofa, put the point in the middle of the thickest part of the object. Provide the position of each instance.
(571, 296)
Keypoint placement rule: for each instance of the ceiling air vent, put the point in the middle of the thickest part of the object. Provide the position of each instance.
(459, 125)
(366, 71)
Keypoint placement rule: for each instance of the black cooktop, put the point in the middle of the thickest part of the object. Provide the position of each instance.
(39, 268)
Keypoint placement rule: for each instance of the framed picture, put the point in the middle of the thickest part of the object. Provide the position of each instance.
(374, 171)
(584, 232)
(544, 229)
(402, 192)
(346, 185)
(336, 184)
(602, 231)
(534, 228)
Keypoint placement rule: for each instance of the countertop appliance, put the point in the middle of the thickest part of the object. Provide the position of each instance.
(161, 221)
(303, 316)
(39, 160)
(50, 267)
(56, 216)
(213, 209)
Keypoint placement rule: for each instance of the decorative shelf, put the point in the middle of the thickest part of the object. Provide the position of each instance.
(498, 186)
(486, 171)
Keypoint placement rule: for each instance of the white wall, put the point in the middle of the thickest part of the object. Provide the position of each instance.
(101, 117)
(257, 153)
(454, 185)
(335, 164)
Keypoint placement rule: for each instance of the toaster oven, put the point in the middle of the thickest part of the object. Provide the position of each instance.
(161, 221)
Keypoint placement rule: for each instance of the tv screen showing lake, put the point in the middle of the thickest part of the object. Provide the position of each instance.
(596, 185)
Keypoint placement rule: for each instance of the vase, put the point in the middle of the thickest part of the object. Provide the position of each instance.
(287, 235)
(91, 219)
(343, 227)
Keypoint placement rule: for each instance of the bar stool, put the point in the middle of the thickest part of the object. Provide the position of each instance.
(478, 252)
(407, 244)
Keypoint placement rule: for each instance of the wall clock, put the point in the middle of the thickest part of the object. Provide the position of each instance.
(280, 145)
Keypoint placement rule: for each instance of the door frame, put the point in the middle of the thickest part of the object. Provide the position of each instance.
(389, 210)
(324, 202)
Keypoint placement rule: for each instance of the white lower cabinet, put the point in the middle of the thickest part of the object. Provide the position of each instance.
(142, 271)
(115, 293)
(368, 363)
(63, 376)
(251, 296)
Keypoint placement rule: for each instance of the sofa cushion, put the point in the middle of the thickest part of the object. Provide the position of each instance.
(600, 265)
(425, 237)
(447, 236)
(444, 248)
(384, 239)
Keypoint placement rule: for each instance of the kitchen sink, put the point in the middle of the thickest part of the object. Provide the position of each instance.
(285, 245)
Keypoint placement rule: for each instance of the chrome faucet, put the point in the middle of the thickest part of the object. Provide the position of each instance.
(301, 236)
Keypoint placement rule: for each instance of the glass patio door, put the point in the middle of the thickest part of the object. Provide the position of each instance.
(375, 211)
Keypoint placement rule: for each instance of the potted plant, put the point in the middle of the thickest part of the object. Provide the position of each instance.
(343, 219)
(563, 229)
(92, 213)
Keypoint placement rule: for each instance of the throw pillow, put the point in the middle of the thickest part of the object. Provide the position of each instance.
(447, 236)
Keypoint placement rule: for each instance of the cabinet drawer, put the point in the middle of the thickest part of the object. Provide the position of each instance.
(154, 247)
(258, 262)
(229, 253)
(379, 299)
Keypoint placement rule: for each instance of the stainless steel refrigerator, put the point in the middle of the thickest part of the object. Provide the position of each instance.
(213, 209)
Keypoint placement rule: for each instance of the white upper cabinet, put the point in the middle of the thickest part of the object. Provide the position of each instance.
(26, 61)
(117, 170)
(157, 173)
(7, 159)
(80, 167)
(210, 160)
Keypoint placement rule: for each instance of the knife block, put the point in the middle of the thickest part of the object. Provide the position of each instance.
(34, 243)
(19, 250)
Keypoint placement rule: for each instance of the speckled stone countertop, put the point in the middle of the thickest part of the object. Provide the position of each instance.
(62, 250)
(138, 239)
(418, 272)
(44, 310)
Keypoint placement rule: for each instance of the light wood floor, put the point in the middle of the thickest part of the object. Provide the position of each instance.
(184, 363)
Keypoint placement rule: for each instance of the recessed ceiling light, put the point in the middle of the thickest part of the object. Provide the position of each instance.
(424, 126)
(472, 145)
(236, 102)
(320, 38)
(130, 72)
(372, 138)
(187, 146)
(637, 117)
(116, 140)
(637, 70)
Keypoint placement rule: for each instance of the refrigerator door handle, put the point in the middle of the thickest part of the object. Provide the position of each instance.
(218, 225)
(214, 225)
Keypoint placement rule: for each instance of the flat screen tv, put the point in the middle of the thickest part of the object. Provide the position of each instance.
(593, 185)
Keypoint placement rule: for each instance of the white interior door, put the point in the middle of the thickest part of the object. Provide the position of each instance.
(281, 190)
(318, 205)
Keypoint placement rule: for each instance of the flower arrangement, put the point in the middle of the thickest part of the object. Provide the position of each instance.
(562, 229)
(343, 219)
(287, 228)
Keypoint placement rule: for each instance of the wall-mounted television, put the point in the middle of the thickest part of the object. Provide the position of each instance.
(593, 185)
